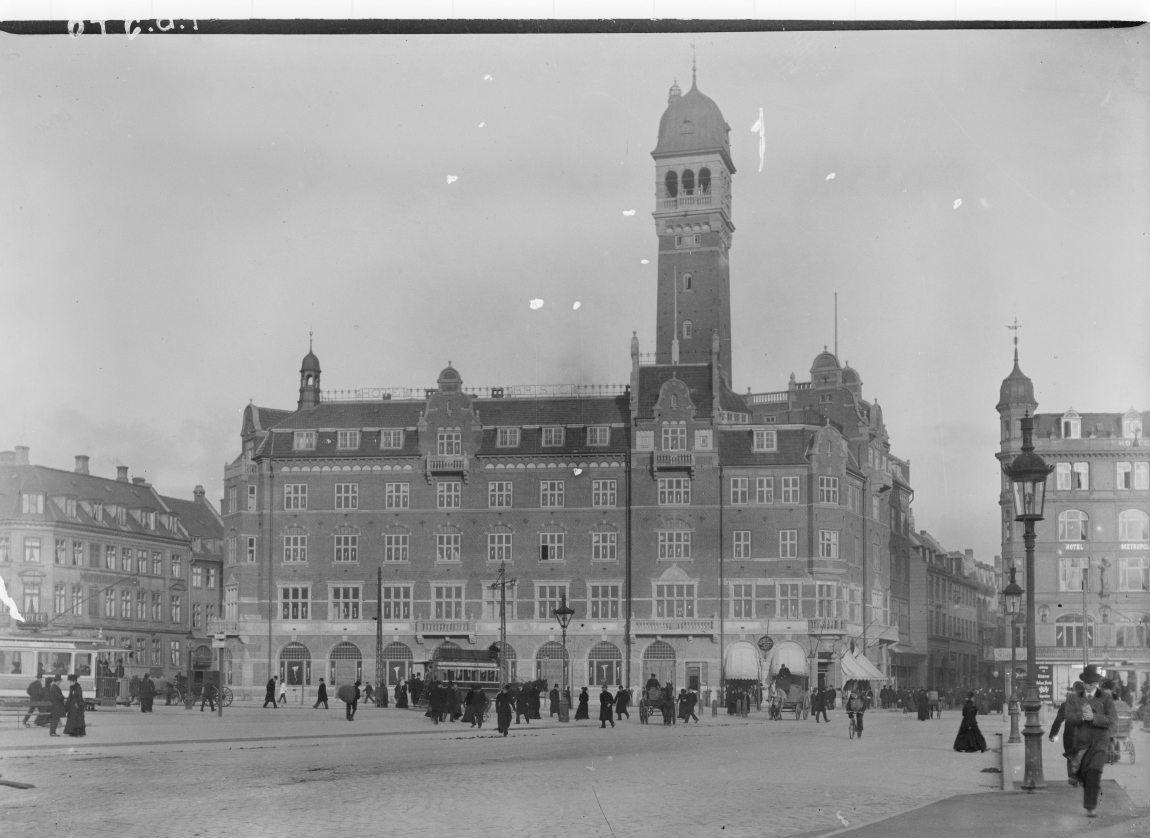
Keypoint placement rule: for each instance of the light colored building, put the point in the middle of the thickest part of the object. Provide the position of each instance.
(686, 524)
(1092, 552)
(93, 556)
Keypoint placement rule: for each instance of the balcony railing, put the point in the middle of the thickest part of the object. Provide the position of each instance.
(218, 625)
(827, 626)
(445, 628)
(674, 625)
(240, 469)
(446, 463)
(700, 199)
(668, 460)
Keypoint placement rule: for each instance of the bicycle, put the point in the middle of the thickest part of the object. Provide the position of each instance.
(853, 725)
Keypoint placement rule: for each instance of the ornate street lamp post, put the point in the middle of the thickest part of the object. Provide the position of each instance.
(1027, 474)
(563, 615)
(1012, 597)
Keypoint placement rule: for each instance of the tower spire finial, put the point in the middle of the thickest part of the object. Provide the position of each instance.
(309, 336)
(1014, 327)
(693, 66)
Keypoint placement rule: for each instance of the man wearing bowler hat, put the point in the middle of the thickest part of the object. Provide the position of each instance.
(1093, 713)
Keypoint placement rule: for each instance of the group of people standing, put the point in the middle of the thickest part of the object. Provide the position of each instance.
(46, 701)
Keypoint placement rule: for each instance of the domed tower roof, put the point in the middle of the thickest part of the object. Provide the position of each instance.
(449, 380)
(850, 375)
(310, 363)
(824, 362)
(693, 123)
(1016, 388)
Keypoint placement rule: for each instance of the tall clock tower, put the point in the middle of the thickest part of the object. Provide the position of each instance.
(693, 171)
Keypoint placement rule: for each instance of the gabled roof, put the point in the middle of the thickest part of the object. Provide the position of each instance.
(199, 518)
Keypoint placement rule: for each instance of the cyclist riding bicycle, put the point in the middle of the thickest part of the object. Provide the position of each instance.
(855, 708)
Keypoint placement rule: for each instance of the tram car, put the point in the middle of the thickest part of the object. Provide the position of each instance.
(24, 656)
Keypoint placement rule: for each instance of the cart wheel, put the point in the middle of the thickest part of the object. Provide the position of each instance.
(226, 696)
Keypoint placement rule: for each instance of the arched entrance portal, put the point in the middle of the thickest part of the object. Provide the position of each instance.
(397, 660)
(604, 665)
(659, 660)
(345, 664)
(549, 663)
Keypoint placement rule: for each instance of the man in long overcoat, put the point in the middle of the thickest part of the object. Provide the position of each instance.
(606, 707)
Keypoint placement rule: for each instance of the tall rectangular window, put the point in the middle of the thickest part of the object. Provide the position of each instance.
(197, 615)
(598, 435)
(109, 604)
(77, 605)
(1134, 573)
(347, 496)
(547, 599)
(1125, 476)
(740, 491)
(790, 600)
(295, 496)
(59, 598)
(674, 491)
(765, 439)
(396, 603)
(197, 576)
(109, 557)
(507, 437)
(250, 549)
(1062, 476)
(741, 544)
(397, 496)
(828, 544)
(1082, 475)
(604, 546)
(448, 442)
(347, 440)
(828, 489)
(448, 494)
(126, 605)
(674, 544)
(32, 503)
(447, 602)
(826, 599)
(1142, 476)
(499, 547)
(603, 601)
(346, 548)
(447, 546)
(61, 553)
(295, 602)
(790, 489)
(742, 600)
(551, 493)
(176, 608)
(674, 438)
(141, 605)
(232, 549)
(157, 563)
(788, 544)
(345, 602)
(391, 438)
(252, 498)
(126, 559)
(764, 490)
(157, 607)
(553, 436)
(31, 549)
(395, 547)
(551, 547)
(499, 494)
(603, 493)
(77, 553)
(295, 548)
(674, 601)
(1072, 572)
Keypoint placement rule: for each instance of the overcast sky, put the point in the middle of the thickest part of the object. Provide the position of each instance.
(178, 212)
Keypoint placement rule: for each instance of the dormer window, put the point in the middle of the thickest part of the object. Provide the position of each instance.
(507, 437)
(70, 507)
(1071, 425)
(553, 436)
(1131, 425)
(598, 434)
(303, 441)
(98, 511)
(765, 439)
(391, 438)
(347, 440)
(122, 516)
(32, 503)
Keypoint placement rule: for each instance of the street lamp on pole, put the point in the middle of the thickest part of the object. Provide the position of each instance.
(1027, 474)
(1012, 597)
(563, 615)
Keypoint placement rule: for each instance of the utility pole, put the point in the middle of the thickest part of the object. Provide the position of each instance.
(501, 583)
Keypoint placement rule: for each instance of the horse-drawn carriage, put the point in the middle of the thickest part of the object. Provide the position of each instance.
(787, 694)
(657, 700)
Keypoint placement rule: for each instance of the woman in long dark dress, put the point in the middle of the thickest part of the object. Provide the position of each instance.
(400, 696)
(970, 738)
(75, 724)
(581, 712)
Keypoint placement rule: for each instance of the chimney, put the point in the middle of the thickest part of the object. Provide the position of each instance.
(21, 455)
(969, 552)
(82, 464)
(122, 474)
(198, 494)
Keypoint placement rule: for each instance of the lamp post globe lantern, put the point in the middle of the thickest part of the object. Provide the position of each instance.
(563, 615)
(1012, 601)
(1027, 473)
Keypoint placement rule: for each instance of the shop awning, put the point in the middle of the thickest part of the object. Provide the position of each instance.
(742, 662)
(789, 654)
(858, 668)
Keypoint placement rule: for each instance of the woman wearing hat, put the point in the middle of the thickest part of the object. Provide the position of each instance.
(75, 724)
(1093, 713)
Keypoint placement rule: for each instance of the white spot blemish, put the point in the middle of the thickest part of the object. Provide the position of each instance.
(842, 820)
(628, 213)
(760, 128)
(575, 306)
(985, 203)
(644, 261)
(831, 176)
(578, 471)
(957, 203)
(482, 124)
(452, 178)
(536, 304)
(488, 77)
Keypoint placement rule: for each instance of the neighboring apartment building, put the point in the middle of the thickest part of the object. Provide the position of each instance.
(92, 556)
(1092, 553)
(684, 523)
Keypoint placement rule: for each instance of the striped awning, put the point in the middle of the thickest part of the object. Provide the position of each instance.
(790, 654)
(858, 668)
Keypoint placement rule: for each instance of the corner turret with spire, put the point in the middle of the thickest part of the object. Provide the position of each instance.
(309, 378)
